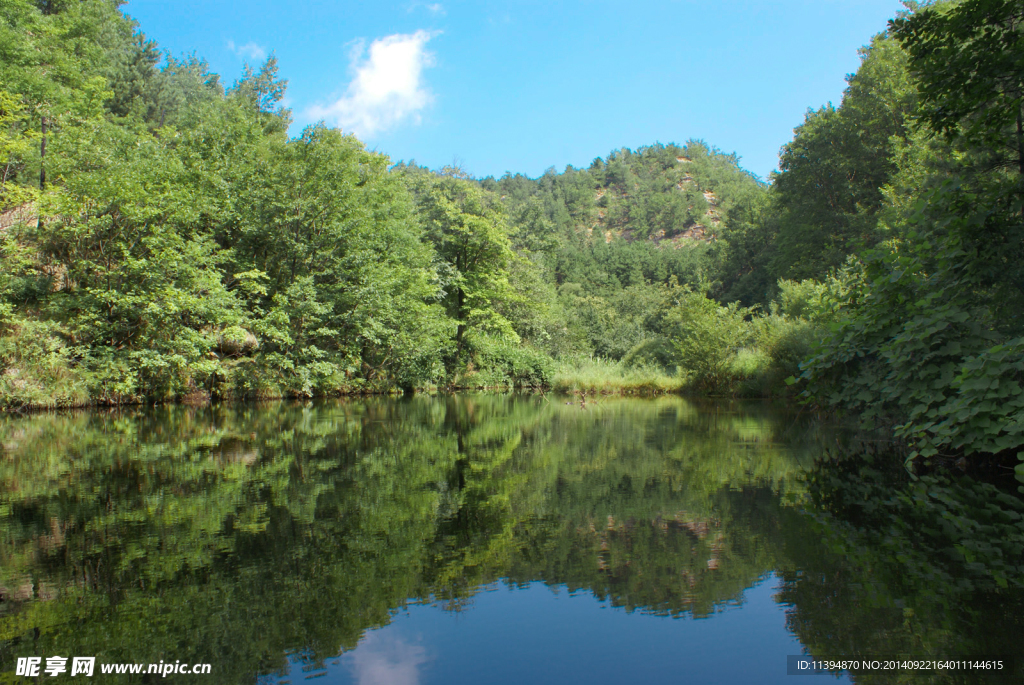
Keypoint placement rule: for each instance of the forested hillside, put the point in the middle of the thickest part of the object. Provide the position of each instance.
(163, 237)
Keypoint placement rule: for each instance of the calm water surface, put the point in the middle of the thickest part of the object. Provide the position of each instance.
(497, 539)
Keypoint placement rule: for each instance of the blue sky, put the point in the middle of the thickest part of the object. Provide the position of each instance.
(523, 86)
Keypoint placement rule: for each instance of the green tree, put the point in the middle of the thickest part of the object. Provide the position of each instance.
(969, 59)
(828, 192)
(927, 324)
(468, 228)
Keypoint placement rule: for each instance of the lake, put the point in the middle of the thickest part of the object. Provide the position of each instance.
(495, 538)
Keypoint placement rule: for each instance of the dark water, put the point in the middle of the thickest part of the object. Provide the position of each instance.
(492, 539)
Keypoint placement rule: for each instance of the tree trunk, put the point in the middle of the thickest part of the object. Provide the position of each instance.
(42, 155)
(1020, 143)
(1020, 150)
(461, 330)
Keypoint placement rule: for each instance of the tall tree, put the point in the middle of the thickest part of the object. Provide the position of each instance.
(829, 190)
(969, 59)
(469, 230)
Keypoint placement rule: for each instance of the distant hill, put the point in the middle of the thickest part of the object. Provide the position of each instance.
(659, 193)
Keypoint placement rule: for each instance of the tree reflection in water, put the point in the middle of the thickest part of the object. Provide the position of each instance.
(246, 536)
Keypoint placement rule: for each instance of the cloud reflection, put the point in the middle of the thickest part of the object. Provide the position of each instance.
(385, 659)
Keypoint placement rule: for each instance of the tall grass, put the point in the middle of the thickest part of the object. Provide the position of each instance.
(597, 376)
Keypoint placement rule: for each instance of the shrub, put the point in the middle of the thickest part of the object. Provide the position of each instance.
(37, 367)
(802, 300)
(501, 362)
(655, 352)
(707, 338)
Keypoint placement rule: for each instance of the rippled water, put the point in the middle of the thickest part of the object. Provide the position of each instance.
(487, 538)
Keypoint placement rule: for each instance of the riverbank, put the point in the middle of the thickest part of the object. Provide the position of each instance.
(751, 375)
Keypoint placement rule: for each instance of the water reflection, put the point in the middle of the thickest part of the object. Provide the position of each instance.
(386, 660)
(267, 540)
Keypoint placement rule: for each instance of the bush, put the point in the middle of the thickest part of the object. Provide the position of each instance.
(655, 352)
(802, 300)
(787, 342)
(37, 367)
(707, 338)
(235, 341)
(780, 345)
(733, 350)
(501, 362)
(917, 352)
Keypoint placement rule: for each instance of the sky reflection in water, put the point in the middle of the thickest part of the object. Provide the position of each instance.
(541, 634)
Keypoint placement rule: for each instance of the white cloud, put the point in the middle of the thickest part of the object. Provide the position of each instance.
(434, 8)
(387, 87)
(250, 50)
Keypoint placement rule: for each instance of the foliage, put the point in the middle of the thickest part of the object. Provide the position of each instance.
(805, 299)
(828, 193)
(926, 339)
(967, 57)
(16, 146)
(654, 352)
(467, 226)
(502, 362)
(611, 237)
(172, 212)
(707, 337)
(38, 367)
(914, 342)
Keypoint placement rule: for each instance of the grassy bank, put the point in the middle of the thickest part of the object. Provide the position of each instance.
(39, 375)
